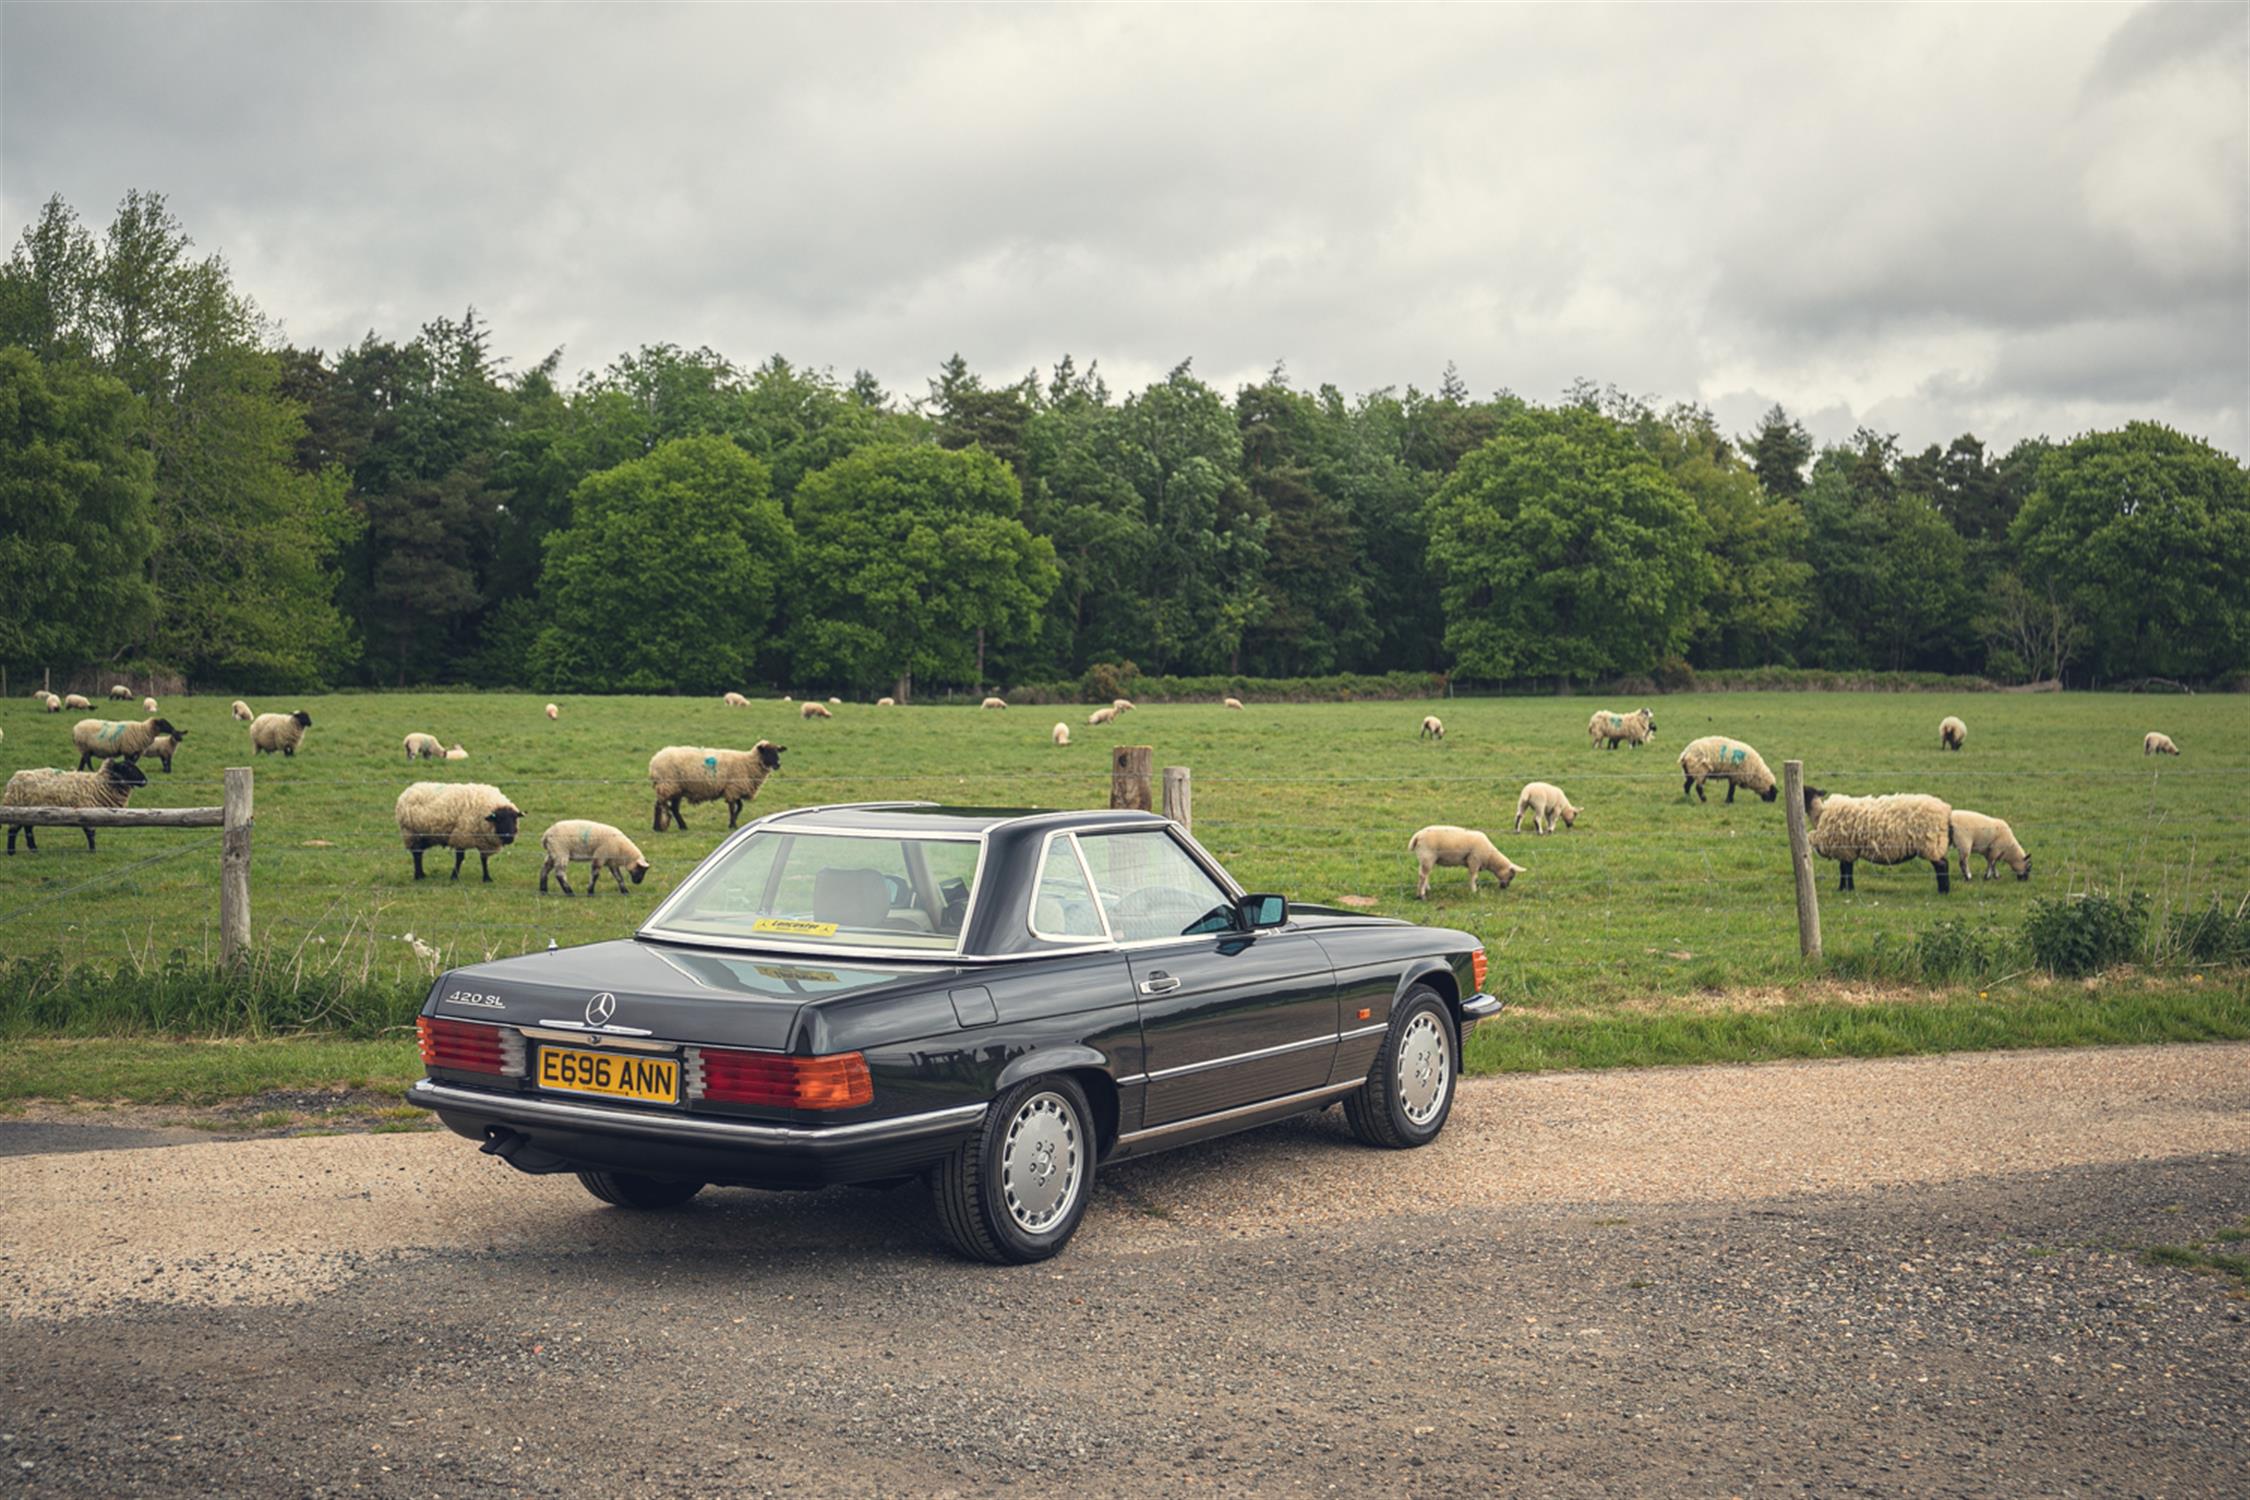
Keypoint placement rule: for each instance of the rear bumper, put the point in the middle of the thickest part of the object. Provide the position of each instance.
(1479, 1008)
(556, 1135)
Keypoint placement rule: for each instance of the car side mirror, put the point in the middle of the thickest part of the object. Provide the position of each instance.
(1260, 912)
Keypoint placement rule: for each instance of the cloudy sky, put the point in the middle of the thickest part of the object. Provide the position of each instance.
(2005, 219)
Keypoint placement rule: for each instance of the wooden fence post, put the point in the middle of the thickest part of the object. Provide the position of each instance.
(1800, 857)
(1129, 776)
(234, 871)
(1179, 799)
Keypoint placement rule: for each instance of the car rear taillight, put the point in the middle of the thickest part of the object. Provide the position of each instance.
(769, 1078)
(1477, 968)
(469, 1047)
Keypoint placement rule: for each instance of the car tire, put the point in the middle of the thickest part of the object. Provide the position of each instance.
(631, 1190)
(1408, 1094)
(1015, 1191)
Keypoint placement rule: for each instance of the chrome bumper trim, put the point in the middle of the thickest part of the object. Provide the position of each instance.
(1481, 1007)
(529, 1111)
(1286, 1103)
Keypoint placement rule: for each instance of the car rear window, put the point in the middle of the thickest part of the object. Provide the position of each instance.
(810, 889)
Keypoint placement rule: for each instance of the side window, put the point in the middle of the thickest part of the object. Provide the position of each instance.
(1063, 907)
(1151, 888)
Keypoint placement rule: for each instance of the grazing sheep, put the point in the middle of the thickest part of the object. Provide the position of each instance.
(1880, 830)
(108, 787)
(241, 710)
(121, 692)
(886, 703)
(735, 700)
(1060, 734)
(1717, 758)
(127, 739)
(148, 705)
(1974, 833)
(1122, 705)
(599, 844)
(1445, 844)
(164, 747)
(53, 704)
(1102, 715)
(835, 702)
(459, 816)
(1545, 802)
(77, 700)
(457, 753)
(283, 732)
(2153, 743)
(812, 710)
(1606, 728)
(553, 712)
(420, 746)
(787, 699)
(688, 773)
(993, 703)
(1230, 703)
(1952, 734)
(1433, 728)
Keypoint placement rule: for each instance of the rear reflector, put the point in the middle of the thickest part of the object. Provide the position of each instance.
(772, 1079)
(1477, 969)
(468, 1047)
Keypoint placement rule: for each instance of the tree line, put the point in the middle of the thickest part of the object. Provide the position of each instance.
(181, 489)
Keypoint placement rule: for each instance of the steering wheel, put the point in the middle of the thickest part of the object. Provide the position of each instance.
(901, 894)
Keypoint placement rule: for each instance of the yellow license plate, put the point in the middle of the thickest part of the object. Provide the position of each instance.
(621, 1075)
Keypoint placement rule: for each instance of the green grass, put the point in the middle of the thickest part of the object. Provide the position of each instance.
(163, 1070)
(2204, 1255)
(1651, 903)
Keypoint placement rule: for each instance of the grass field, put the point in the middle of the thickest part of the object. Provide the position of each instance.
(1649, 897)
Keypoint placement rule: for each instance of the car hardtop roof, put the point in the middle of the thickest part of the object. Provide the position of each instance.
(929, 820)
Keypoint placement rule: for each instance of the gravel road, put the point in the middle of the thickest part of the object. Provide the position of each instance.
(1917, 1276)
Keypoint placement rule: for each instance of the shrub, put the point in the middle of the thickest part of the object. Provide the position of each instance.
(1956, 950)
(2079, 935)
(1674, 675)
(2214, 935)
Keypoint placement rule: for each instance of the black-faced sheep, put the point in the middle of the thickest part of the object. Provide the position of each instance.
(164, 747)
(693, 774)
(1717, 758)
(118, 739)
(1546, 803)
(282, 732)
(1889, 830)
(53, 704)
(601, 845)
(1974, 833)
(1606, 728)
(1445, 844)
(77, 700)
(460, 816)
(108, 787)
(1952, 734)
(120, 691)
(1433, 728)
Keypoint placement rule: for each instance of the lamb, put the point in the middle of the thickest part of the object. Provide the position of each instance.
(148, 705)
(164, 747)
(1607, 727)
(127, 739)
(108, 787)
(1060, 734)
(2153, 743)
(120, 691)
(812, 710)
(1230, 703)
(1102, 715)
(456, 753)
(1880, 830)
(1717, 758)
(1545, 802)
(993, 703)
(1952, 734)
(686, 773)
(241, 710)
(1974, 833)
(599, 844)
(735, 700)
(283, 732)
(459, 816)
(553, 712)
(420, 746)
(1444, 844)
(77, 700)
(886, 702)
(1433, 728)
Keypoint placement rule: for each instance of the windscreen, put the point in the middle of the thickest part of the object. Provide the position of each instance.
(803, 889)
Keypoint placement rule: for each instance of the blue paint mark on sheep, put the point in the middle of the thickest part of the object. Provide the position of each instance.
(710, 762)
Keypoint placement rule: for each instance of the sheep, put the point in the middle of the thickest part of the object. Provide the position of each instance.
(1122, 705)
(460, 816)
(787, 699)
(688, 773)
(1230, 703)
(53, 704)
(886, 702)
(2153, 743)
(77, 700)
(121, 692)
(1433, 728)
(420, 746)
(283, 732)
(553, 712)
(1952, 734)
(735, 700)
(1102, 715)
(1545, 802)
(164, 747)
(456, 753)
(1974, 833)
(108, 787)
(834, 701)
(993, 703)
(599, 844)
(148, 705)
(1717, 758)
(241, 711)
(1880, 830)
(1607, 727)
(812, 710)
(1060, 734)
(1444, 844)
(128, 739)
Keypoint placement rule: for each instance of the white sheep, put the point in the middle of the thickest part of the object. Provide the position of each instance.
(1717, 758)
(2153, 743)
(241, 711)
(601, 845)
(812, 710)
(77, 700)
(420, 746)
(1060, 734)
(125, 739)
(1433, 728)
(553, 712)
(148, 705)
(694, 774)
(1102, 715)
(886, 702)
(1607, 727)
(1952, 734)
(1881, 831)
(1230, 703)
(1545, 802)
(164, 747)
(993, 703)
(1974, 833)
(460, 816)
(835, 702)
(735, 700)
(1445, 844)
(456, 753)
(1122, 705)
(121, 692)
(53, 704)
(282, 732)
(47, 787)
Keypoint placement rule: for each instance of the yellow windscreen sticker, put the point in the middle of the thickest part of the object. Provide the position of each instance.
(791, 971)
(794, 927)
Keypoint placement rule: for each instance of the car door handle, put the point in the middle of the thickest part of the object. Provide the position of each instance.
(1159, 983)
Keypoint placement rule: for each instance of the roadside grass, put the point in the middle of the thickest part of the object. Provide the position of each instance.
(169, 1070)
(2204, 1255)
